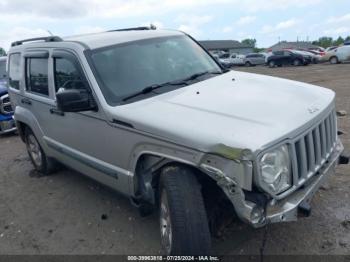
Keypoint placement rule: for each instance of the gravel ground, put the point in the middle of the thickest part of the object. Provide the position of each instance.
(67, 213)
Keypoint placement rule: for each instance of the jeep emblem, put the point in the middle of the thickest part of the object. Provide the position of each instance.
(313, 109)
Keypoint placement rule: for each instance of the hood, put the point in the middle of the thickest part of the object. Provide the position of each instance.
(3, 87)
(236, 109)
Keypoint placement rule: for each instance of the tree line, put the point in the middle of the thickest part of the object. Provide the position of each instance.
(324, 41)
(2, 51)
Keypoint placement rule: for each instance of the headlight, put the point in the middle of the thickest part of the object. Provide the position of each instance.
(275, 170)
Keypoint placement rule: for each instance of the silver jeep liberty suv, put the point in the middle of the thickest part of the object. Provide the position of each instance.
(152, 115)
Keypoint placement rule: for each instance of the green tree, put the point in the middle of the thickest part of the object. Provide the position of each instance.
(324, 41)
(2, 51)
(249, 42)
(339, 41)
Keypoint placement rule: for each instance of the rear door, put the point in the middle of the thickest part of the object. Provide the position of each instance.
(260, 59)
(37, 95)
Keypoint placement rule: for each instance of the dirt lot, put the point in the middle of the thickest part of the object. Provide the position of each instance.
(63, 213)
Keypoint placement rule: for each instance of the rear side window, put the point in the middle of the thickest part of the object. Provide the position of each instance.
(14, 70)
(67, 75)
(36, 75)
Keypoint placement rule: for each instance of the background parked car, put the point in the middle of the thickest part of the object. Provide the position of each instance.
(287, 57)
(237, 59)
(328, 55)
(229, 60)
(312, 56)
(7, 124)
(254, 59)
(328, 49)
(225, 60)
(339, 55)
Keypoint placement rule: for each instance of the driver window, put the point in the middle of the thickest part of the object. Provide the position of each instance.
(67, 75)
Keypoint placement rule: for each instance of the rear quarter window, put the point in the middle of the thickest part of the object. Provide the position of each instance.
(14, 70)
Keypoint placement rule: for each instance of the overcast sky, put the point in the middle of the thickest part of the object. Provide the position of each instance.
(267, 21)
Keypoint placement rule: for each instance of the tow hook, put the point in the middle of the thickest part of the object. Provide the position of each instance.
(344, 159)
(304, 209)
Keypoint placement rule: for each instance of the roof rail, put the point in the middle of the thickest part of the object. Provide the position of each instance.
(151, 27)
(45, 38)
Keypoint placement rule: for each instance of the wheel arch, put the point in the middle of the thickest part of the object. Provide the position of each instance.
(334, 56)
(148, 167)
(25, 119)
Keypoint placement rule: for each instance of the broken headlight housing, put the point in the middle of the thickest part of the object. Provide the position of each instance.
(275, 168)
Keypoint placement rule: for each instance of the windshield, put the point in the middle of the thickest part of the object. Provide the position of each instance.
(2, 69)
(124, 69)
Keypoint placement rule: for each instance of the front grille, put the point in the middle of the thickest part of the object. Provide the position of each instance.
(8, 108)
(6, 99)
(312, 150)
(5, 105)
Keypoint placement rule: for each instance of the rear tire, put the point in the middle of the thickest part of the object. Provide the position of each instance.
(248, 64)
(40, 161)
(334, 60)
(184, 225)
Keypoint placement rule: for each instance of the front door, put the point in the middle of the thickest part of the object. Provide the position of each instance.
(82, 140)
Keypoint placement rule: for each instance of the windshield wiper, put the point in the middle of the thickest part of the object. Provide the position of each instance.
(151, 88)
(195, 76)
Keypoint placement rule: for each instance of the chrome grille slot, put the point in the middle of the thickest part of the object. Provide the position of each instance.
(5, 105)
(313, 149)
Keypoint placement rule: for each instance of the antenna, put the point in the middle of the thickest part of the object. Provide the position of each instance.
(49, 32)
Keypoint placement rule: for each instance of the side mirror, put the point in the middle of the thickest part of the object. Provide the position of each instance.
(74, 100)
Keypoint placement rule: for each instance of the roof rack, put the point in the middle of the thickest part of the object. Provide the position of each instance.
(46, 39)
(151, 27)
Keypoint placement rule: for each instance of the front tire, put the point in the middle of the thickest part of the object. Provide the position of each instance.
(184, 225)
(248, 64)
(272, 64)
(40, 161)
(296, 62)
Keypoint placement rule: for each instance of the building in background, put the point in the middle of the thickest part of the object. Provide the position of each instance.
(227, 46)
(293, 45)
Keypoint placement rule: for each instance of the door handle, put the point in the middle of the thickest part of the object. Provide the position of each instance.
(56, 112)
(26, 101)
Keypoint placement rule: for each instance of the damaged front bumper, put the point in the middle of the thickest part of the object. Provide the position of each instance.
(259, 213)
(286, 209)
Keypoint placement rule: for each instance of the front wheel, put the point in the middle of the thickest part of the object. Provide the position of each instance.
(184, 225)
(272, 64)
(248, 64)
(296, 62)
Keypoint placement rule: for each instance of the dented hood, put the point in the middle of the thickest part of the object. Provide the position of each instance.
(239, 110)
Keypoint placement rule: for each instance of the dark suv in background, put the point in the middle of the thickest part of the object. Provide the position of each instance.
(287, 57)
